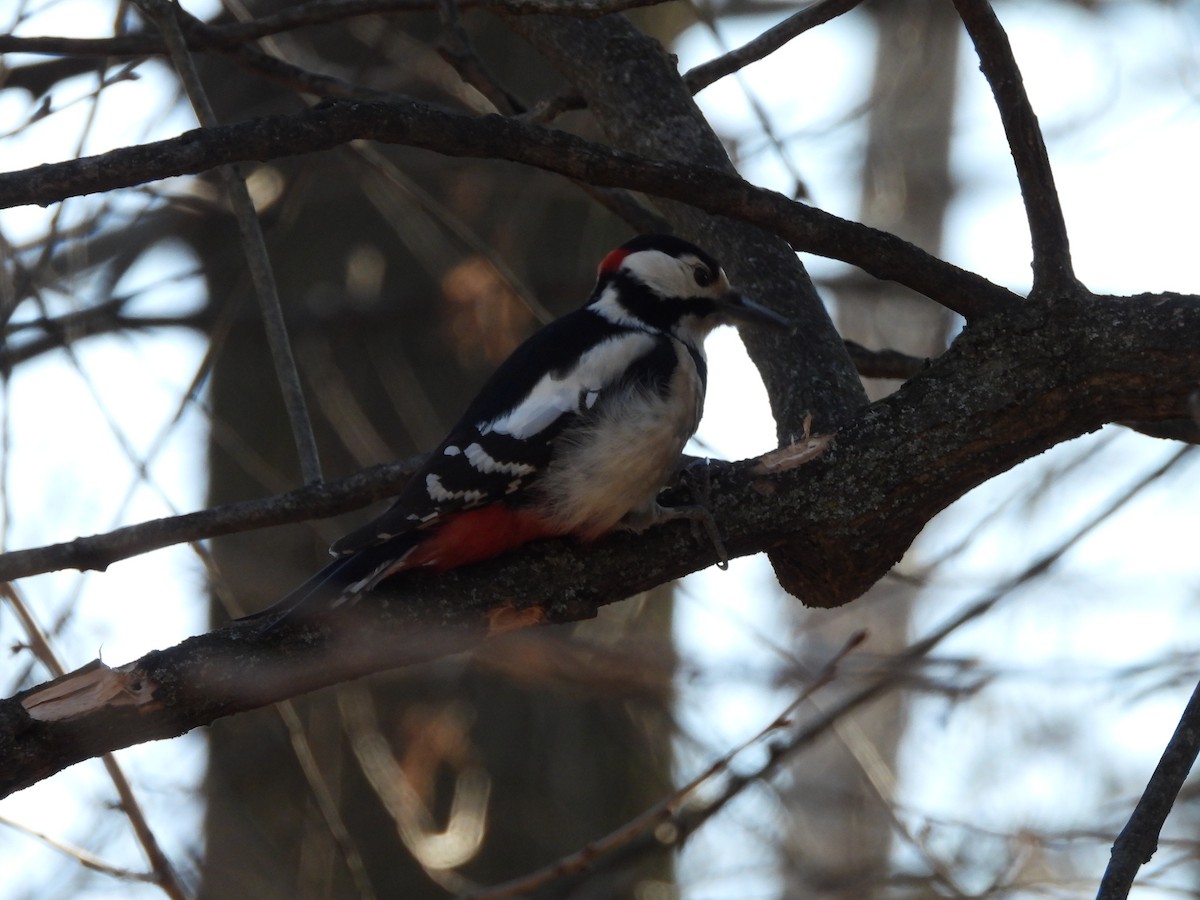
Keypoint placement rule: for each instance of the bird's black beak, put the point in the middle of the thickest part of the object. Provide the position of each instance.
(739, 309)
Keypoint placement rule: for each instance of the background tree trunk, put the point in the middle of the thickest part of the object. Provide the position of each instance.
(396, 322)
(839, 799)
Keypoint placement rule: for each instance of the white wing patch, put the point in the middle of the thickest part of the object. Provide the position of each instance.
(439, 493)
(485, 462)
(554, 394)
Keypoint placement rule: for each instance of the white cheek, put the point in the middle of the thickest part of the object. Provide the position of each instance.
(665, 274)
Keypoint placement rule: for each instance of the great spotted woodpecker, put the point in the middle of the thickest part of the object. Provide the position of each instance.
(575, 433)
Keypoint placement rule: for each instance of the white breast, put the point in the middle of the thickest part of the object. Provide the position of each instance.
(618, 459)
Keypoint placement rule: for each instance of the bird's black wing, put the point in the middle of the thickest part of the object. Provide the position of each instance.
(504, 440)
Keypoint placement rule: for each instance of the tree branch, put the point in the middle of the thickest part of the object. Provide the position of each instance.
(421, 125)
(884, 363)
(63, 331)
(848, 515)
(1138, 840)
(701, 76)
(315, 501)
(673, 808)
(1053, 272)
(97, 552)
(633, 91)
(229, 35)
(164, 873)
(254, 245)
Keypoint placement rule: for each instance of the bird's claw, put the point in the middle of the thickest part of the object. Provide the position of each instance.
(697, 475)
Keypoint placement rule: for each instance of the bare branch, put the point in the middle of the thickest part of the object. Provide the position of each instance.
(63, 331)
(1053, 273)
(164, 873)
(687, 821)
(700, 77)
(202, 37)
(421, 125)
(670, 807)
(845, 518)
(253, 244)
(1138, 840)
(83, 857)
(326, 801)
(312, 501)
(456, 49)
(884, 363)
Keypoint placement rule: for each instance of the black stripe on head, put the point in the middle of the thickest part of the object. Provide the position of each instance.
(660, 313)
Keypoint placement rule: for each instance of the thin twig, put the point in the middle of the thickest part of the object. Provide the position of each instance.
(253, 243)
(1139, 838)
(63, 331)
(1053, 272)
(669, 807)
(318, 785)
(83, 857)
(98, 551)
(687, 821)
(164, 873)
(762, 115)
(456, 49)
(701, 76)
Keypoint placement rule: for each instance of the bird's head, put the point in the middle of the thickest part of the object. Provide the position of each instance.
(667, 284)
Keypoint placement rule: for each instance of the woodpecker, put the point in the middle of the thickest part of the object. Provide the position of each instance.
(574, 434)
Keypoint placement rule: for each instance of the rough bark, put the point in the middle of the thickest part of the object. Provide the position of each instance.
(1010, 387)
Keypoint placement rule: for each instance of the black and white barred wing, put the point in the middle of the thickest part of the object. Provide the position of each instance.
(505, 441)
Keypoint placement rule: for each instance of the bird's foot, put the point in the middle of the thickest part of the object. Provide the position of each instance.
(696, 476)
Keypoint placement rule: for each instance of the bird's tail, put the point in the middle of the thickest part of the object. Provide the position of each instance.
(340, 582)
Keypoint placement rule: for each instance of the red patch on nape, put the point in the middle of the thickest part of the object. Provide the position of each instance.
(613, 261)
(474, 535)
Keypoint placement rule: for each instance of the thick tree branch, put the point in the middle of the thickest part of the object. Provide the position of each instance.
(421, 125)
(1053, 272)
(1010, 387)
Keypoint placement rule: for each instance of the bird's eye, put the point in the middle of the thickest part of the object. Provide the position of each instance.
(703, 277)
